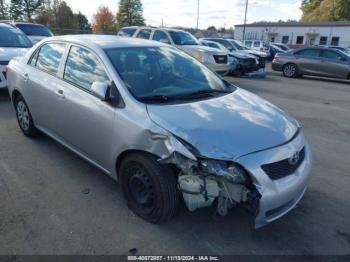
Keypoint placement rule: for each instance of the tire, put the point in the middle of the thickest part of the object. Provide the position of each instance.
(149, 188)
(24, 117)
(290, 70)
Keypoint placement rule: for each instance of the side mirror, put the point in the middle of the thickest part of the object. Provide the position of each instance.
(100, 90)
(343, 59)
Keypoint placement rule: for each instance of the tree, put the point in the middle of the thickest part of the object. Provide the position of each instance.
(130, 13)
(212, 28)
(81, 22)
(325, 10)
(3, 10)
(104, 21)
(25, 9)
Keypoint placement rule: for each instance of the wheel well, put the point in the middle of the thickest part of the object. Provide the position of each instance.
(15, 94)
(124, 154)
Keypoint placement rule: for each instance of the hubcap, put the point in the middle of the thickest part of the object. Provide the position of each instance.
(23, 115)
(289, 70)
(141, 188)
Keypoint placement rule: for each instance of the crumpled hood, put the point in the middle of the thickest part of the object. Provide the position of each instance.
(195, 49)
(226, 127)
(7, 53)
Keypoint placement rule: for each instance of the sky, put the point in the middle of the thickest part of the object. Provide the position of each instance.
(219, 13)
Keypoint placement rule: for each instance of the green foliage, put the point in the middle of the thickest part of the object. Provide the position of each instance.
(325, 10)
(3, 10)
(130, 13)
(81, 22)
(25, 9)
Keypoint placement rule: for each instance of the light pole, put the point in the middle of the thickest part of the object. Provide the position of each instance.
(197, 13)
(245, 18)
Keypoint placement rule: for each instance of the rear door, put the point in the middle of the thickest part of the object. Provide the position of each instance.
(88, 121)
(334, 64)
(42, 85)
(308, 61)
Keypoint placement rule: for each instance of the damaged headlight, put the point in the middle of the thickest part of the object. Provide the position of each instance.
(229, 171)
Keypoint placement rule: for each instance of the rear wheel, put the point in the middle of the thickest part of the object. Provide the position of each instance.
(24, 117)
(290, 70)
(149, 188)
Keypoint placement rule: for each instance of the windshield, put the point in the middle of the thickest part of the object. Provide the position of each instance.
(161, 74)
(239, 46)
(12, 37)
(183, 38)
(34, 30)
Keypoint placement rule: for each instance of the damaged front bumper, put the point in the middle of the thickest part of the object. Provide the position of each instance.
(279, 196)
(244, 181)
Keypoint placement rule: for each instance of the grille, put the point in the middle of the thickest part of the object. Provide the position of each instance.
(4, 62)
(284, 167)
(220, 59)
(249, 61)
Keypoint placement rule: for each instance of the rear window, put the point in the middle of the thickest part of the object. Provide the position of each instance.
(34, 30)
(12, 37)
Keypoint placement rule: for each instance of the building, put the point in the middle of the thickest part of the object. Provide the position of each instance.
(298, 33)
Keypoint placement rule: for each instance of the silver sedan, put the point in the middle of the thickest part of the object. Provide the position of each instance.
(162, 124)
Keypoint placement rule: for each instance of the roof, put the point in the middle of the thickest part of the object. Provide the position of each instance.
(105, 41)
(298, 24)
(5, 24)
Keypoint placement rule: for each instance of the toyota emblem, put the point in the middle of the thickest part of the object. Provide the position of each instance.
(294, 159)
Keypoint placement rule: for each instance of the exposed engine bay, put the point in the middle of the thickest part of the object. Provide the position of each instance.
(204, 181)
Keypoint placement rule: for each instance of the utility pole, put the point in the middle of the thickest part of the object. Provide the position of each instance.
(245, 18)
(197, 13)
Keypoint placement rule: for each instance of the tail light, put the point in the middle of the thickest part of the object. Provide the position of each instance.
(276, 58)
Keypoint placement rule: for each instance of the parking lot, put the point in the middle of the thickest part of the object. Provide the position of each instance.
(52, 202)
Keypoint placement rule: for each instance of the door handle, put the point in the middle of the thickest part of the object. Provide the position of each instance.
(60, 94)
(26, 77)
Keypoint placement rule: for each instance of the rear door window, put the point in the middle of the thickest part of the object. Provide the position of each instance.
(49, 57)
(331, 55)
(256, 44)
(127, 32)
(144, 34)
(248, 43)
(83, 68)
(309, 53)
(161, 37)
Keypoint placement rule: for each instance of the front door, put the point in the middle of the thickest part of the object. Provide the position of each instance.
(89, 121)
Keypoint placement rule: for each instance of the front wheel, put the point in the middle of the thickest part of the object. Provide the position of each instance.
(24, 117)
(290, 70)
(149, 188)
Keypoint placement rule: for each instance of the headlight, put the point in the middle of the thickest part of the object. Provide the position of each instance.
(229, 171)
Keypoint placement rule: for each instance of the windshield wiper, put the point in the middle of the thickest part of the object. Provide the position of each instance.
(155, 98)
(204, 93)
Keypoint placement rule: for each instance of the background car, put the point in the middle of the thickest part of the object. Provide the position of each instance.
(315, 61)
(274, 49)
(245, 63)
(282, 46)
(13, 42)
(35, 32)
(258, 45)
(242, 55)
(240, 46)
(216, 60)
